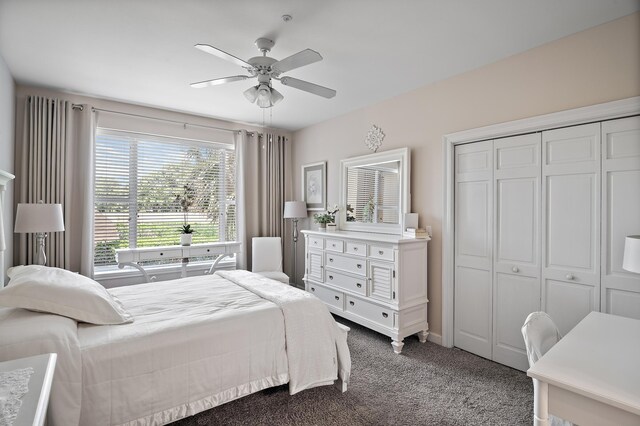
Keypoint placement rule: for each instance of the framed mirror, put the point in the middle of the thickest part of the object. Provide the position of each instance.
(374, 191)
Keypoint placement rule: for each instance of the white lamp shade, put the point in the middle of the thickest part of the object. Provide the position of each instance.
(631, 261)
(295, 209)
(32, 218)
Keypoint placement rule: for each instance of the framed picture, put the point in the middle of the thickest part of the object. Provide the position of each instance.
(314, 185)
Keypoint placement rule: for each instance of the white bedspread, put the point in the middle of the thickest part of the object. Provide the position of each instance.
(195, 343)
(316, 349)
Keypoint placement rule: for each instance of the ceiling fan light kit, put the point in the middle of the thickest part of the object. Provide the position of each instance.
(266, 69)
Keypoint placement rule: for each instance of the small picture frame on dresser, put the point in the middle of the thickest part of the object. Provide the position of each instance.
(314, 185)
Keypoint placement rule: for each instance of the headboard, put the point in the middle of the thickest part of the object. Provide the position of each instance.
(5, 178)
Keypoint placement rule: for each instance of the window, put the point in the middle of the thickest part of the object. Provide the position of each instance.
(142, 183)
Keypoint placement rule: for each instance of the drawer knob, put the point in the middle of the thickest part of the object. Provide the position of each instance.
(331, 259)
(359, 266)
(313, 289)
(315, 242)
(352, 303)
(358, 285)
(569, 277)
(515, 269)
(333, 245)
(330, 277)
(161, 254)
(380, 252)
(208, 250)
(355, 249)
(337, 298)
(385, 315)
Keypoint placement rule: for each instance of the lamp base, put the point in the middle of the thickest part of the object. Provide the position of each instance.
(41, 257)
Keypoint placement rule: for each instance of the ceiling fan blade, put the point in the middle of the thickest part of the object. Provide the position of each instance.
(297, 60)
(325, 92)
(223, 55)
(217, 81)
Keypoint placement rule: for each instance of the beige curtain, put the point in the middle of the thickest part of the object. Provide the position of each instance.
(55, 164)
(42, 173)
(264, 168)
(272, 184)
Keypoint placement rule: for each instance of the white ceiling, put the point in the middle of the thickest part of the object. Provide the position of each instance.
(141, 51)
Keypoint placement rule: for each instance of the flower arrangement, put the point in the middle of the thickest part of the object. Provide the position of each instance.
(326, 217)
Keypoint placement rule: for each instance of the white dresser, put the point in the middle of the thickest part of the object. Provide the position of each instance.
(376, 280)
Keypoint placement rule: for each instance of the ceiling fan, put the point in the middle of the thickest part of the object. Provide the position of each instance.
(266, 69)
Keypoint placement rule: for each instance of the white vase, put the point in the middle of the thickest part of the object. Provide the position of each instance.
(185, 239)
(332, 227)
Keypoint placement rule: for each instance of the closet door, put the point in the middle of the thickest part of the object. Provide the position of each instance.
(620, 293)
(473, 247)
(571, 237)
(516, 283)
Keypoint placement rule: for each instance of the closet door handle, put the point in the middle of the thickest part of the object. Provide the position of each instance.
(515, 269)
(569, 276)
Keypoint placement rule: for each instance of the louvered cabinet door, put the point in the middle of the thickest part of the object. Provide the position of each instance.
(516, 283)
(620, 291)
(571, 223)
(473, 247)
(315, 265)
(381, 280)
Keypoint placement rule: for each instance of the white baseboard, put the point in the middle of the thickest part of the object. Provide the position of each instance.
(435, 338)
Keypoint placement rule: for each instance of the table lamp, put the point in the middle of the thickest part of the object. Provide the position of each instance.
(39, 218)
(295, 210)
(631, 260)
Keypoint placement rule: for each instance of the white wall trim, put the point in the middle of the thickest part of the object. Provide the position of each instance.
(599, 112)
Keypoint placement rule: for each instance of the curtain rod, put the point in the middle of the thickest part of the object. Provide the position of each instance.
(81, 107)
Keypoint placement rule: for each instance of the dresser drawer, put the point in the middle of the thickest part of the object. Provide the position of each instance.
(381, 252)
(370, 311)
(356, 285)
(357, 249)
(328, 296)
(357, 266)
(316, 242)
(159, 254)
(334, 245)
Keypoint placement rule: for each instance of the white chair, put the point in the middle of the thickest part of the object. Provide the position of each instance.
(266, 258)
(540, 334)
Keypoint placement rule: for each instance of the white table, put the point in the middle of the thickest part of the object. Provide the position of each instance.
(219, 250)
(592, 375)
(34, 403)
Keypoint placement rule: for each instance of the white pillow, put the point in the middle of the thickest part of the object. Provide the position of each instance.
(61, 292)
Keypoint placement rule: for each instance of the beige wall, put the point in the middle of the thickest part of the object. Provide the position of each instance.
(594, 66)
(7, 113)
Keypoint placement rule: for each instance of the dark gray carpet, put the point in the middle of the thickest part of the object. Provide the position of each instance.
(425, 385)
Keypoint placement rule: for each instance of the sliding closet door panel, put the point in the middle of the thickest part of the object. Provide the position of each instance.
(571, 223)
(473, 247)
(620, 294)
(516, 283)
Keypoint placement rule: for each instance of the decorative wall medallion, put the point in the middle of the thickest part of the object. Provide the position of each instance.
(374, 138)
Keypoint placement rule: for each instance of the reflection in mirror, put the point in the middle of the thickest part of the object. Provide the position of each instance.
(372, 193)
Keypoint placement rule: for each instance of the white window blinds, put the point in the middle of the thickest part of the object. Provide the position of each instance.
(147, 187)
(373, 194)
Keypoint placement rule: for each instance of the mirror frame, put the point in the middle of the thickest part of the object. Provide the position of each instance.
(403, 156)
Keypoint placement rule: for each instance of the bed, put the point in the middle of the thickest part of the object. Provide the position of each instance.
(195, 343)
